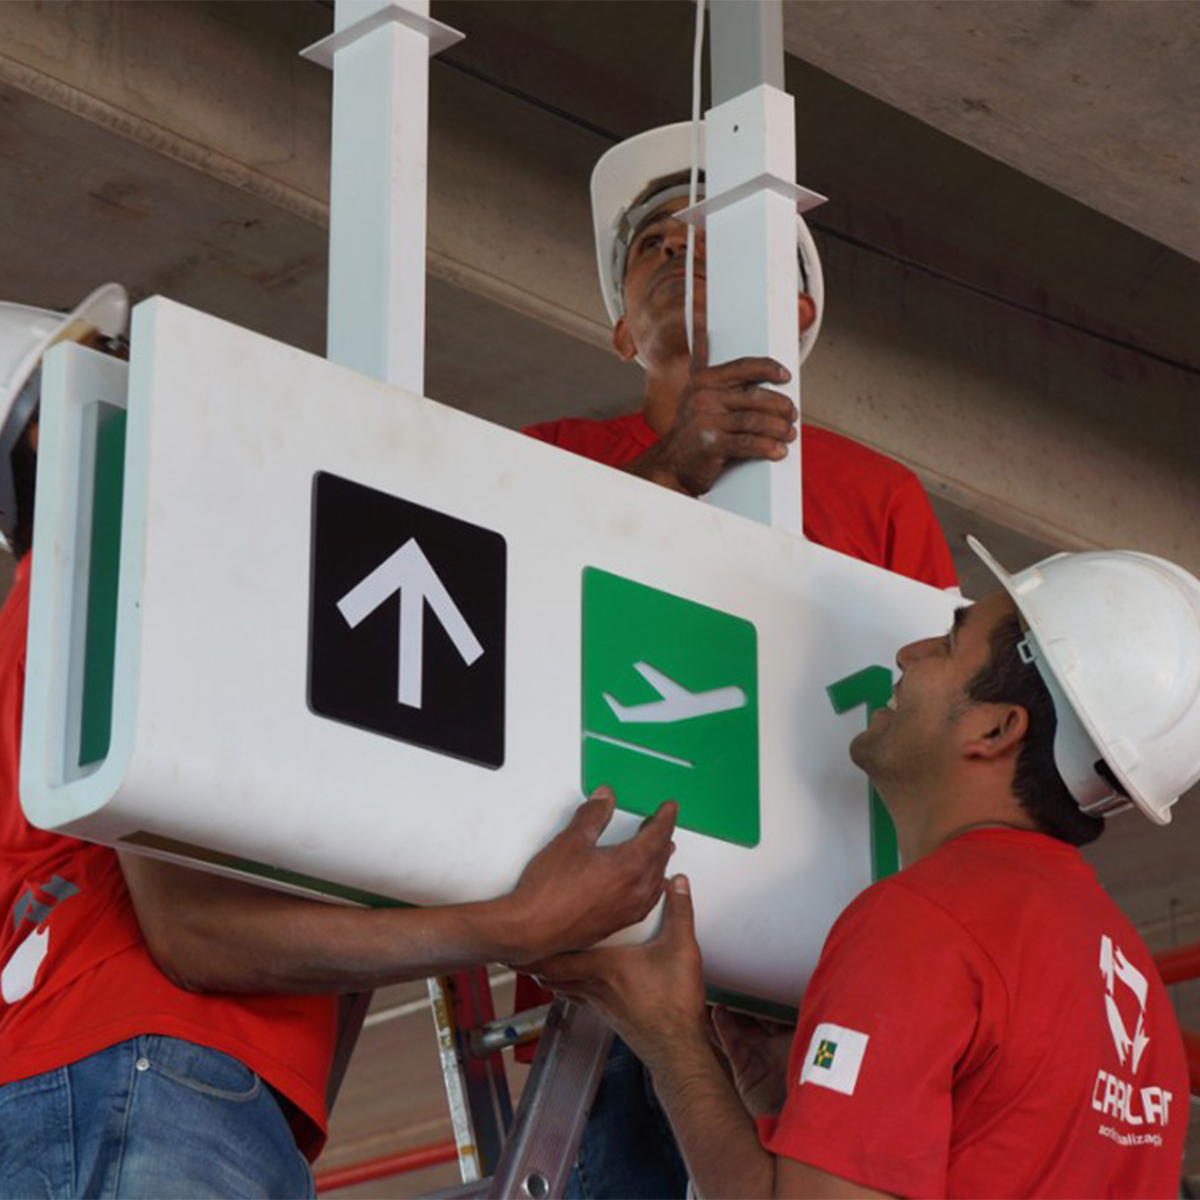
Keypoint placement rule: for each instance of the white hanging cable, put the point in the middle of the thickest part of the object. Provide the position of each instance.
(693, 183)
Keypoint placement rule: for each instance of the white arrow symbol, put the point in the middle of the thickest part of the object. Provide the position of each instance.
(408, 572)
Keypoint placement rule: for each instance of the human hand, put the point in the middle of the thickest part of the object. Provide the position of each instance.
(575, 893)
(725, 414)
(757, 1051)
(653, 994)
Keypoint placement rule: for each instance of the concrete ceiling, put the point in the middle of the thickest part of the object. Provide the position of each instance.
(1096, 98)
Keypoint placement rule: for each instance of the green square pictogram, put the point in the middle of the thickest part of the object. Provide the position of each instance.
(670, 706)
(824, 1055)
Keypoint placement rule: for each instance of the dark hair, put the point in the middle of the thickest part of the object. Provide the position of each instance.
(24, 472)
(24, 457)
(1007, 679)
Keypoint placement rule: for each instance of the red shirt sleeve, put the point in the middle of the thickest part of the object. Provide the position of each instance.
(614, 442)
(548, 431)
(902, 1003)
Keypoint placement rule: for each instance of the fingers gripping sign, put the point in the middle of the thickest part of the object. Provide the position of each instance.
(576, 892)
(757, 1051)
(726, 413)
(651, 994)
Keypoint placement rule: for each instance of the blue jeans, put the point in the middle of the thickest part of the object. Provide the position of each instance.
(628, 1151)
(150, 1117)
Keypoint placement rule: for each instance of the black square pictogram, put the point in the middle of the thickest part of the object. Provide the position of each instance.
(407, 621)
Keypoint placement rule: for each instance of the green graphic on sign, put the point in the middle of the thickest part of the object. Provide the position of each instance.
(670, 706)
(872, 688)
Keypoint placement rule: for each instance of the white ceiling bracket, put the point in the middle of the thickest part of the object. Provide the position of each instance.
(802, 197)
(379, 53)
(440, 37)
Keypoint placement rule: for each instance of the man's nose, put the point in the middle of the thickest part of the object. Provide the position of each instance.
(907, 655)
(675, 240)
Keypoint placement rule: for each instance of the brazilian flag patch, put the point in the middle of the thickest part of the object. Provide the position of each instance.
(835, 1056)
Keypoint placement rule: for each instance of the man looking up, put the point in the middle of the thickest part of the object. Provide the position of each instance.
(694, 422)
(985, 1022)
(167, 1032)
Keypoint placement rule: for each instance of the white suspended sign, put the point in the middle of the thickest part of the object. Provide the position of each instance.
(346, 640)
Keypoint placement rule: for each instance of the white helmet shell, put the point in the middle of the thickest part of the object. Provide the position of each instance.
(1119, 633)
(26, 333)
(623, 181)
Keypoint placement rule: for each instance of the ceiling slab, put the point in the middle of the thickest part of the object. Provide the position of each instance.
(1097, 99)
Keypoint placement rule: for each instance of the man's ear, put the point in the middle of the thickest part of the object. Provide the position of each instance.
(995, 731)
(806, 307)
(622, 341)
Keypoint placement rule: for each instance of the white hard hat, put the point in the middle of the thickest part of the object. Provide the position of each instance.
(1115, 635)
(625, 192)
(26, 334)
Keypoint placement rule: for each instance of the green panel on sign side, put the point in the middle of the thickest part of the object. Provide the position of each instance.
(670, 706)
(771, 1009)
(104, 564)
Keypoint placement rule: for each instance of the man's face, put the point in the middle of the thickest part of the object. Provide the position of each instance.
(654, 278)
(653, 327)
(924, 728)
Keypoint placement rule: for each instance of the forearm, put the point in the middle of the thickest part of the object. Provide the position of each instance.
(717, 1136)
(654, 464)
(242, 938)
(211, 933)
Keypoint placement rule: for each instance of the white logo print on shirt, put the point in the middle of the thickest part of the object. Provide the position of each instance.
(19, 975)
(21, 971)
(1124, 1099)
(1114, 966)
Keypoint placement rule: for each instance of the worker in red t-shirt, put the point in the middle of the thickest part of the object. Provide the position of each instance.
(985, 1022)
(695, 421)
(167, 1032)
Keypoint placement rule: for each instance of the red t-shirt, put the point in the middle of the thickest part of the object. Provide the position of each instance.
(855, 500)
(988, 1023)
(75, 973)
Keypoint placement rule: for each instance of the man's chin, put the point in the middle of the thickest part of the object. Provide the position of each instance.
(860, 751)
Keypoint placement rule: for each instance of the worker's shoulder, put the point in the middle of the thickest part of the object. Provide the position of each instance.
(999, 879)
(1013, 857)
(991, 893)
(837, 454)
(611, 440)
(563, 427)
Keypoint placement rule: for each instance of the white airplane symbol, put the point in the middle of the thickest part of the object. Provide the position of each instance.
(677, 703)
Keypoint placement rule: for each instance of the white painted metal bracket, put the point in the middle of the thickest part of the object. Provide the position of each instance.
(380, 54)
(803, 198)
(753, 277)
(440, 37)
